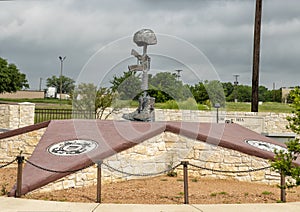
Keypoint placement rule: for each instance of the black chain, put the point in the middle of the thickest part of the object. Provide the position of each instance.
(2, 166)
(227, 171)
(55, 171)
(141, 175)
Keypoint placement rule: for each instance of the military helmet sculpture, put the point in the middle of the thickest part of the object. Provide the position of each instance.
(144, 37)
(145, 111)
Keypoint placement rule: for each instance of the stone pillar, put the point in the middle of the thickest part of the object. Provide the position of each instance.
(4, 116)
(13, 116)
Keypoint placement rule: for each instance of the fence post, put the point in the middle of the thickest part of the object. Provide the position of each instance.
(282, 187)
(185, 181)
(99, 163)
(20, 160)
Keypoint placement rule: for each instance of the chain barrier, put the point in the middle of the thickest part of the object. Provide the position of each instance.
(133, 174)
(185, 164)
(141, 175)
(7, 164)
(55, 171)
(227, 171)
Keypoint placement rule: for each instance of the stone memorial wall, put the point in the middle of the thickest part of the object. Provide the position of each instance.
(167, 150)
(158, 153)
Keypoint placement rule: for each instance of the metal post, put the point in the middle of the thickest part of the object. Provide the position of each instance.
(61, 70)
(99, 163)
(217, 115)
(282, 188)
(20, 160)
(235, 87)
(217, 106)
(185, 180)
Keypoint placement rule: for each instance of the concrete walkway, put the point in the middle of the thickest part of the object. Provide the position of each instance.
(22, 205)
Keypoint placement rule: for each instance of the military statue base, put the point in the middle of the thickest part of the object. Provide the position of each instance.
(145, 111)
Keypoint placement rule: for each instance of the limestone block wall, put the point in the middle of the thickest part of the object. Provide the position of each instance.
(11, 147)
(156, 154)
(167, 150)
(4, 116)
(13, 116)
(261, 122)
(276, 123)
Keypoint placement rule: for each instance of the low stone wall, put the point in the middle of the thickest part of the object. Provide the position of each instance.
(11, 147)
(156, 154)
(167, 150)
(261, 122)
(13, 116)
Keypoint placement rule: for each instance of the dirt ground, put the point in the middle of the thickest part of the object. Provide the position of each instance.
(162, 190)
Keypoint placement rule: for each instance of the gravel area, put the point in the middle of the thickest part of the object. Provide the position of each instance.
(162, 190)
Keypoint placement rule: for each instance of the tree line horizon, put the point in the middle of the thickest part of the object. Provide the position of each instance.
(163, 86)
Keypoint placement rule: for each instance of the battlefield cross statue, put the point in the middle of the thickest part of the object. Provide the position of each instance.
(145, 111)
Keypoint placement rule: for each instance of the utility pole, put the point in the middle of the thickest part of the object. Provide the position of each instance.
(40, 85)
(274, 92)
(61, 70)
(235, 87)
(256, 55)
(178, 74)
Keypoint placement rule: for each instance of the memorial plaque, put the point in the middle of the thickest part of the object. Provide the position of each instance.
(265, 146)
(73, 147)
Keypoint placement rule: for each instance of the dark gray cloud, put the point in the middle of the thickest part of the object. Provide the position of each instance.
(34, 33)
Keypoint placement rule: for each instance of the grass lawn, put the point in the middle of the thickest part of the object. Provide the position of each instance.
(43, 103)
(264, 107)
(185, 105)
(275, 107)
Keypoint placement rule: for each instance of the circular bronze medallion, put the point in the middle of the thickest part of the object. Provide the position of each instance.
(72, 147)
(265, 145)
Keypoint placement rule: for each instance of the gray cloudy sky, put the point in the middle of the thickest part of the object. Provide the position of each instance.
(208, 39)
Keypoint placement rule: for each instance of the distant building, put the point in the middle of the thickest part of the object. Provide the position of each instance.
(51, 92)
(26, 94)
(285, 93)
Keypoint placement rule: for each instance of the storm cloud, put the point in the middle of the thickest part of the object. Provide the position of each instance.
(34, 33)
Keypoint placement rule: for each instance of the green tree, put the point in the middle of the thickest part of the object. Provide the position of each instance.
(84, 96)
(68, 84)
(277, 95)
(243, 93)
(215, 92)
(199, 92)
(104, 99)
(294, 120)
(87, 97)
(290, 97)
(11, 79)
(228, 88)
(128, 85)
(284, 161)
(263, 94)
(164, 86)
(266, 95)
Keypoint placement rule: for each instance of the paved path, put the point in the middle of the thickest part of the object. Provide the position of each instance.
(25, 205)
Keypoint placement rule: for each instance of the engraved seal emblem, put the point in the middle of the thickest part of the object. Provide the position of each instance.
(72, 147)
(265, 145)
